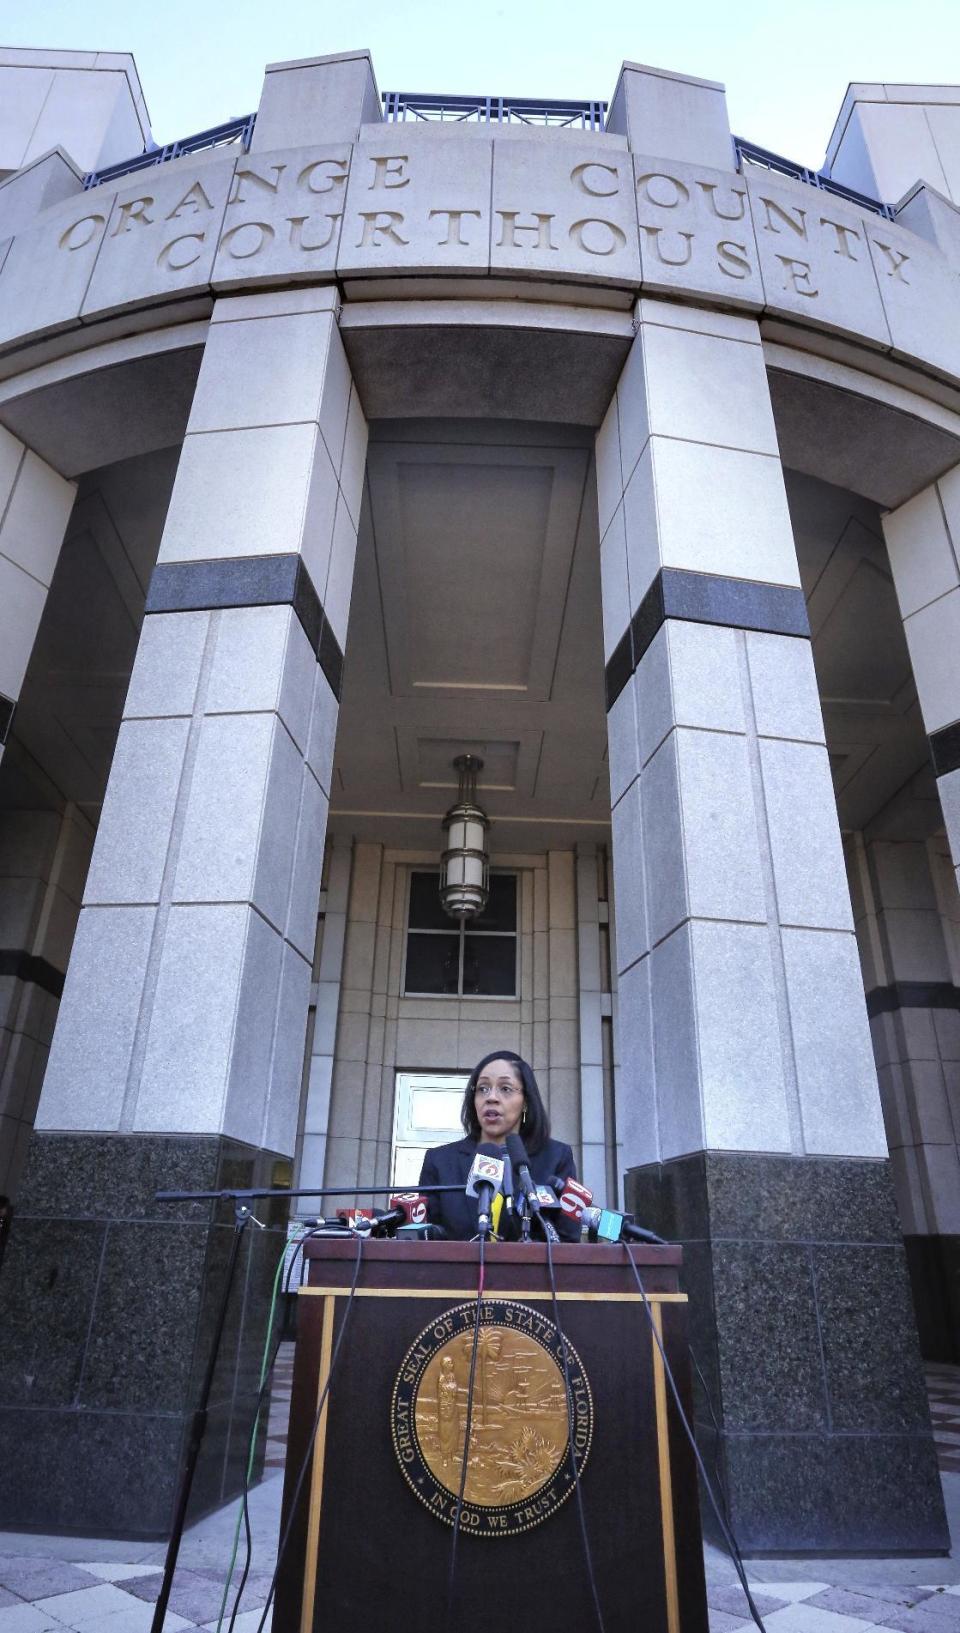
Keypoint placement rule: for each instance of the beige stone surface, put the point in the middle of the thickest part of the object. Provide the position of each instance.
(921, 297)
(677, 115)
(696, 231)
(284, 216)
(161, 237)
(417, 204)
(323, 98)
(48, 267)
(569, 214)
(815, 258)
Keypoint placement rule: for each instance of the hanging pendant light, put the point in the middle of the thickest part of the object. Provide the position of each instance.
(465, 865)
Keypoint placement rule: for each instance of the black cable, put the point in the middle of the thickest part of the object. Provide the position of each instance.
(251, 1440)
(451, 1578)
(725, 1529)
(284, 1540)
(571, 1427)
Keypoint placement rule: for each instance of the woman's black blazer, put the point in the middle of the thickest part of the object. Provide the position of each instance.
(457, 1214)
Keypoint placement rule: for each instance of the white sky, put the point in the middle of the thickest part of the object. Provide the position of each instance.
(785, 66)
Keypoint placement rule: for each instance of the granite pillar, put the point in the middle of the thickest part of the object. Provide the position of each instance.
(35, 505)
(923, 538)
(746, 1058)
(178, 1052)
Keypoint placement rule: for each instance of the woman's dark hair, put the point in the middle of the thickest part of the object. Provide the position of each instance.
(535, 1128)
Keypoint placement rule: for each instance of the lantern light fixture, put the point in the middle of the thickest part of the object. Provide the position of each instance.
(465, 864)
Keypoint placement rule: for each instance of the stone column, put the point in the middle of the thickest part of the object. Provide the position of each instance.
(316, 1111)
(35, 505)
(747, 1103)
(923, 542)
(913, 1005)
(594, 1134)
(177, 1058)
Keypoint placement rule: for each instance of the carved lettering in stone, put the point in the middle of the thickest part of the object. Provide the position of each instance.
(378, 225)
(664, 191)
(775, 211)
(193, 199)
(454, 220)
(247, 239)
(844, 236)
(249, 174)
(317, 178)
(710, 191)
(135, 209)
(175, 259)
(896, 259)
(597, 237)
(511, 225)
(662, 241)
(797, 276)
(299, 231)
(75, 238)
(595, 179)
(388, 171)
(732, 259)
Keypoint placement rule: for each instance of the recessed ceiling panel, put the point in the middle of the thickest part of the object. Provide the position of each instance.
(473, 550)
(435, 757)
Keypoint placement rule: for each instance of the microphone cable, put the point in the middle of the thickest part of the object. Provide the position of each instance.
(587, 1551)
(451, 1578)
(266, 1378)
(725, 1529)
(301, 1476)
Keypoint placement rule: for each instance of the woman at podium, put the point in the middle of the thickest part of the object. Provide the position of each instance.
(501, 1098)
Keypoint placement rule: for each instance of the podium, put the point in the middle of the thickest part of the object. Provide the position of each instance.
(371, 1532)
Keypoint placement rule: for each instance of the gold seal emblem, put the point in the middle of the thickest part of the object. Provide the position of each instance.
(520, 1464)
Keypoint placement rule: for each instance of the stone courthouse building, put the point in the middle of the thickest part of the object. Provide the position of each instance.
(590, 440)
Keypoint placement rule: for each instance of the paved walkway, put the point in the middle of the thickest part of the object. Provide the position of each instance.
(49, 1584)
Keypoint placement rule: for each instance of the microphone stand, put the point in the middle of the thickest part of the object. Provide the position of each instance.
(242, 1217)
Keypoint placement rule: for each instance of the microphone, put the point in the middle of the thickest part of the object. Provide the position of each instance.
(574, 1197)
(484, 1180)
(517, 1152)
(357, 1218)
(609, 1226)
(508, 1186)
(414, 1206)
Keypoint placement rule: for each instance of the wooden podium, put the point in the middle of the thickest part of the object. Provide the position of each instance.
(371, 1536)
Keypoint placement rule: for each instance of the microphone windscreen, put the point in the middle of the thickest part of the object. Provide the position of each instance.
(413, 1204)
(574, 1197)
(488, 1149)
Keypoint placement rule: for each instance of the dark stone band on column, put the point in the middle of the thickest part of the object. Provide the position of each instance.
(704, 598)
(250, 581)
(945, 749)
(802, 1322)
(24, 966)
(8, 708)
(912, 995)
(107, 1304)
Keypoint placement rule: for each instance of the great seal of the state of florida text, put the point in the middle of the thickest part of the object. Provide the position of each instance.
(521, 1465)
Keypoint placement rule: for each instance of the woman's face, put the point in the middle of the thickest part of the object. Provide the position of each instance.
(499, 1100)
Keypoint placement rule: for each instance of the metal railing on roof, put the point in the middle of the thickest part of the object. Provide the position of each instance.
(749, 153)
(494, 110)
(399, 106)
(232, 131)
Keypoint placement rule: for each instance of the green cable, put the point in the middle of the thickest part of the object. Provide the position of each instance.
(294, 1242)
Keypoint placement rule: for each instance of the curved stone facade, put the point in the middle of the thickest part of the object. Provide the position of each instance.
(579, 448)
